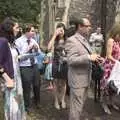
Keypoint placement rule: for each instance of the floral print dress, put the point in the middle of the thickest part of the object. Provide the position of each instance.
(108, 65)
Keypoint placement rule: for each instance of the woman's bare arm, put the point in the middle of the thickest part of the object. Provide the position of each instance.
(109, 49)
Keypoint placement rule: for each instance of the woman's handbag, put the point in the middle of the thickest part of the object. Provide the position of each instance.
(97, 74)
(112, 87)
(97, 71)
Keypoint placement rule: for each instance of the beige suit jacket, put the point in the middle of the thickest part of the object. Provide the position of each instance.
(79, 65)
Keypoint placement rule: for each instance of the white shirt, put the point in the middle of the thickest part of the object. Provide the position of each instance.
(22, 46)
(96, 39)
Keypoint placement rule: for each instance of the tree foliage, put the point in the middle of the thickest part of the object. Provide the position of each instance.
(24, 10)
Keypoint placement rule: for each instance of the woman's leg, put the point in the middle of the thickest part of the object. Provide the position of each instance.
(51, 84)
(63, 93)
(56, 95)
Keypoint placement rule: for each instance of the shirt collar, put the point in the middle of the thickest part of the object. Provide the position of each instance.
(80, 36)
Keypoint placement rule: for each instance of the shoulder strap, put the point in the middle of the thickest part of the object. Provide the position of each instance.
(84, 46)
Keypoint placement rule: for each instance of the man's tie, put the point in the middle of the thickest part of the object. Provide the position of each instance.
(32, 61)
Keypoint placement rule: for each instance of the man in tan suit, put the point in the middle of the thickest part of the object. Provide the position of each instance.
(79, 57)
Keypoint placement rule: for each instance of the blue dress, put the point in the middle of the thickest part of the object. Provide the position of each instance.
(41, 65)
(48, 69)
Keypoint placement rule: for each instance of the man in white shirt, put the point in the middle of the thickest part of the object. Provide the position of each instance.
(96, 40)
(28, 67)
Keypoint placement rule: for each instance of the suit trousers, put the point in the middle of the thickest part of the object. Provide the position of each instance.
(77, 99)
(30, 79)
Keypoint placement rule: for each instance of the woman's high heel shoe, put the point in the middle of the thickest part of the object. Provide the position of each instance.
(57, 106)
(63, 104)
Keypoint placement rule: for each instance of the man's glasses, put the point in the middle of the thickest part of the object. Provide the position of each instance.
(86, 25)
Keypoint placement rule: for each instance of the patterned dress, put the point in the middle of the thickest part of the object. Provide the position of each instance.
(14, 104)
(108, 65)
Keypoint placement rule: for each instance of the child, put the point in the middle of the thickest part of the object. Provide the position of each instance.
(48, 69)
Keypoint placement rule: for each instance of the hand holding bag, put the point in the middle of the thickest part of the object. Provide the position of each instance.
(97, 71)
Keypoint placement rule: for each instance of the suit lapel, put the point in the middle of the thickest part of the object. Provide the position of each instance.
(84, 42)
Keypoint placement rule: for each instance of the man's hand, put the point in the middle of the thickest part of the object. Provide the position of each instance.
(94, 57)
(30, 47)
(35, 47)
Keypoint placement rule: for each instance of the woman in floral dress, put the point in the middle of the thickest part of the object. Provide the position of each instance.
(113, 54)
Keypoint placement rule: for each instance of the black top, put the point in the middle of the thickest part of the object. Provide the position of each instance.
(59, 62)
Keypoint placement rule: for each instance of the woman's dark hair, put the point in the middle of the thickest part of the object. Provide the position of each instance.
(18, 35)
(6, 29)
(71, 31)
(59, 25)
(27, 27)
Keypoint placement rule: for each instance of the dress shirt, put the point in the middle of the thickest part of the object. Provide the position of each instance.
(96, 39)
(23, 47)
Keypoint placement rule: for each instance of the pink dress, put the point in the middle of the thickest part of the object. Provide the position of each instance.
(108, 64)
